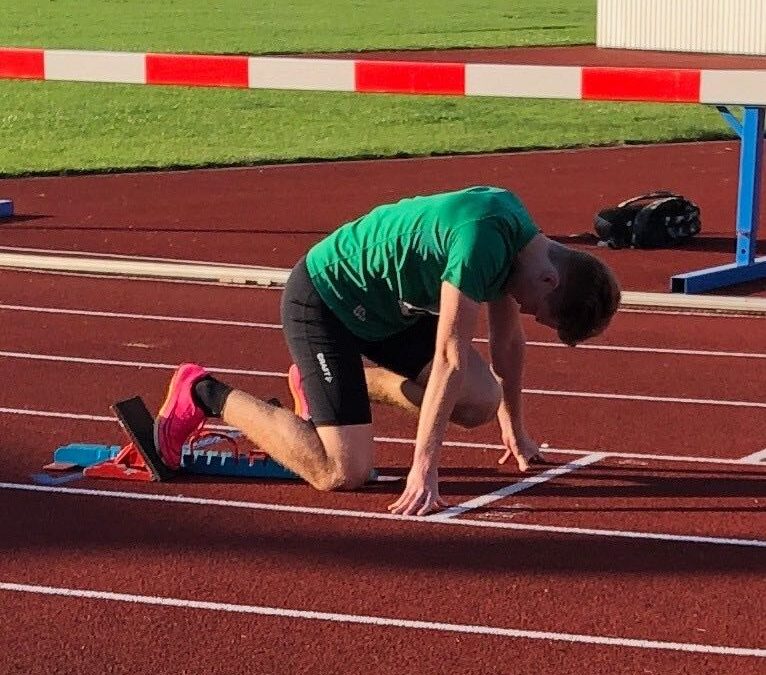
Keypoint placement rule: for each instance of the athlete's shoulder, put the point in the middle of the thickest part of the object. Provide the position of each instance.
(472, 204)
(489, 197)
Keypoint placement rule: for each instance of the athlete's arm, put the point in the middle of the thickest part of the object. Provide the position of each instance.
(507, 352)
(457, 319)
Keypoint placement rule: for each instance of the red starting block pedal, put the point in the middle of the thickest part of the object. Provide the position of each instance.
(139, 459)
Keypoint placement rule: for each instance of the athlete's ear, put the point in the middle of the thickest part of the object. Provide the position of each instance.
(549, 277)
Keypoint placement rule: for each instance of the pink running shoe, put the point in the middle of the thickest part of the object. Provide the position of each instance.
(301, 406)
(180, 416)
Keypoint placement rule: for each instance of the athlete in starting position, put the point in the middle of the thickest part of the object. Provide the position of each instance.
(403, 286)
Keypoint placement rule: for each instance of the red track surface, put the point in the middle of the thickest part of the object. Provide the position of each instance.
(584, 55)
(267, 215)
(611, 577)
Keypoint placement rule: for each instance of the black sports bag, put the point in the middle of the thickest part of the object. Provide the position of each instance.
(654, 220)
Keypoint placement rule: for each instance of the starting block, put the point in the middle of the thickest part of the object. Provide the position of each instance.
(6, 208)
(140, 461)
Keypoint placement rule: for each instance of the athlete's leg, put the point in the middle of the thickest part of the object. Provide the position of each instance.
(332, 451)
(329, 458)
(405, 364)
(477, 403)
(328, 385)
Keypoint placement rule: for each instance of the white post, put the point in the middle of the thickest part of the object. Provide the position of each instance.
(704, 26)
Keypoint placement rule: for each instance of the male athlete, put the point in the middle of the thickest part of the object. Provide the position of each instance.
(403, 286)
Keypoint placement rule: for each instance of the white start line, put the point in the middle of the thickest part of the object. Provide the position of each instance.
(756, 457)
(370, 515)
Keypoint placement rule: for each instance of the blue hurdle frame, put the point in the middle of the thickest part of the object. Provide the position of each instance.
(746, 266)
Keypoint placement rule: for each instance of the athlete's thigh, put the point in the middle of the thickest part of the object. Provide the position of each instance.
(329, 361)
(407, 352)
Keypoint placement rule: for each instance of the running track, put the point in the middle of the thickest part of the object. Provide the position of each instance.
(646, 558)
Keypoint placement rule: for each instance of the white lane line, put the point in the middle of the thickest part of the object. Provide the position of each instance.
(690, 459)
(269, 373)
(652, 399)
(573, 451)
(57, 415)
(277, 326)
(370, 515)
(385, 622)
(515, 488)
(647, 350)
(720, 314)
(755, 458)
(133, 364)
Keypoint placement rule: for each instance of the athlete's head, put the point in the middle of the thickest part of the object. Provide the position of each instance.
(568, 290)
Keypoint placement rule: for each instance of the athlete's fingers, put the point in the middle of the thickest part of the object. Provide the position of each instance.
(427, 507)
(404, 503)
(398, 502)
(415, 503)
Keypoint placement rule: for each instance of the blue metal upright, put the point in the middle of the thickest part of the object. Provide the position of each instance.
(746, 266)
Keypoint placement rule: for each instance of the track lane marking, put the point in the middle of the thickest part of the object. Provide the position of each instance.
(268, 373)
(755, 458)
(277, 326)
(134, 364)
(382, 621)
(519, 486)
(690, 459)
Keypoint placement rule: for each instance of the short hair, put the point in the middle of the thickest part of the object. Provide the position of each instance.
(587, 296)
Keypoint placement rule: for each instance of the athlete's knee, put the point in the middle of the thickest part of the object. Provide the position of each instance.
(348, 457)
(478, 411)
(336, 477)
(327, 481)
(471, 416)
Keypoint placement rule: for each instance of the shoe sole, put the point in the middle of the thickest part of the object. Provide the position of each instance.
(164, 410)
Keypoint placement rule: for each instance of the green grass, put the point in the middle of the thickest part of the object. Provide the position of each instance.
(276, 26)
(50, 127)
(101, 127)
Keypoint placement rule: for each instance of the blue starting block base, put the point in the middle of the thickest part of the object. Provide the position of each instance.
(213, 463)
(84, 454)
(201, 462)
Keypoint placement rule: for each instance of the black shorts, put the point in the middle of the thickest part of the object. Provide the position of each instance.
(329, 355)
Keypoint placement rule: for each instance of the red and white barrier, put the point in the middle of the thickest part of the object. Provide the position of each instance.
(675, 85)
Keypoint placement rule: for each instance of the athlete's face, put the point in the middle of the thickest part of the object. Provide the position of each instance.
(534, 299)
(534, 280)
(544, 314)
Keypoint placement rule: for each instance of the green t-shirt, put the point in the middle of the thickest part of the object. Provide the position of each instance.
(379, 272)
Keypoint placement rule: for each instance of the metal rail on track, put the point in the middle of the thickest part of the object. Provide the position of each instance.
(271, 277)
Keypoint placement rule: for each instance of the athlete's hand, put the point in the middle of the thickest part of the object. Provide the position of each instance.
(421, 494)
(521, 446)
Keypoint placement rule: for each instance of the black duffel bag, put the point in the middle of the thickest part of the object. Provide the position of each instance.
(654, 220)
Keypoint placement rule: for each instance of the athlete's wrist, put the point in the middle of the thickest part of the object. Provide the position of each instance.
(423, 465)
